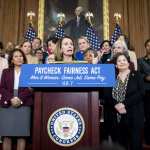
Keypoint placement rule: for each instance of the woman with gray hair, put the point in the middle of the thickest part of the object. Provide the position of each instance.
(121, 46)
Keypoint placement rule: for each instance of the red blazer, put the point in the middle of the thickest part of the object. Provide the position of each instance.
(7, 90)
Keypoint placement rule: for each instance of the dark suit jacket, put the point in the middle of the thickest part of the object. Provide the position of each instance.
(7, 90)
(77, 31)
(144, 68)
(133, 100)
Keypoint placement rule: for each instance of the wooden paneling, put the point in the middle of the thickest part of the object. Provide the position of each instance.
(49, 100)
(148, 14)
(13, 19)
(9, 20)
(1, 17)
(138, 24)
(28, 5)
(135, 22)
(119, 6)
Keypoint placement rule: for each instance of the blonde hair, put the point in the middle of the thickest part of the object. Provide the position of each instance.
(57, 51)
(85, 38)
(121, 41)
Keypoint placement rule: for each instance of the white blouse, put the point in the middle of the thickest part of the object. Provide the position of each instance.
(16, 80)
(3, 65)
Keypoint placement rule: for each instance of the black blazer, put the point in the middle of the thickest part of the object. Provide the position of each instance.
(77, 31)
(133, 100)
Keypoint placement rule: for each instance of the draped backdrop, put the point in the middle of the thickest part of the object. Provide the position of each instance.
(135, 21)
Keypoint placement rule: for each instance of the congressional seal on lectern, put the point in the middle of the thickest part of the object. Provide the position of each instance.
(65, 127)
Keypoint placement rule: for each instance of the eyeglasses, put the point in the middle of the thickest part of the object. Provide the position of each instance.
(39, 53)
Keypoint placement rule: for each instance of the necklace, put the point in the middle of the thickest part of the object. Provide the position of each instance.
(123, 75)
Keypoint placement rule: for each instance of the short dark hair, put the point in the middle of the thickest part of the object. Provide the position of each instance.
(11, 65)
(120, 54)
(91, 50)
(53, 39)
(39, 49)
(146, 42)
(105, 41)
(115, 57)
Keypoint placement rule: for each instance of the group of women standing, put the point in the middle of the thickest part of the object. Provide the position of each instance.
(123, 105)
(16, 102)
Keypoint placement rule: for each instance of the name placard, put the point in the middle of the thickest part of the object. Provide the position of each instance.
(67, 75)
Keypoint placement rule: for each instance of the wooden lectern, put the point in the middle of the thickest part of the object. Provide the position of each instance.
(48, 100)
(66, 103)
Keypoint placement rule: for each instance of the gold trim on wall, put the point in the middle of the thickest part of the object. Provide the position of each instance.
(41, 19)
(105, 19)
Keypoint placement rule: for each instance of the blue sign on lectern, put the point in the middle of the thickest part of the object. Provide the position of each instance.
(67, 75)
